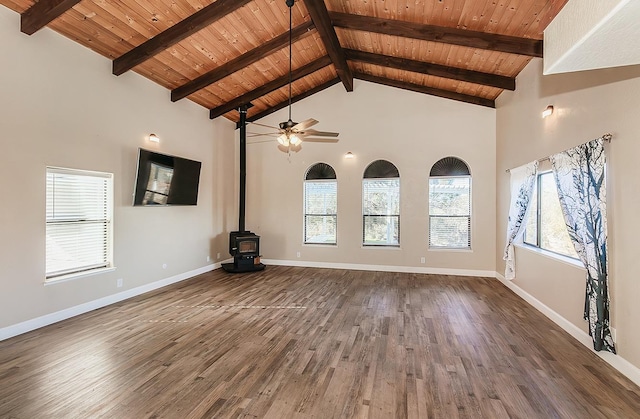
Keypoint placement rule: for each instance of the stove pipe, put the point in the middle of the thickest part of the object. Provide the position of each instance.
(243, 166)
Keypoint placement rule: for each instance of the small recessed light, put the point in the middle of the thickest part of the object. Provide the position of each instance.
(548, 111)
(349, 155)
(154, 138)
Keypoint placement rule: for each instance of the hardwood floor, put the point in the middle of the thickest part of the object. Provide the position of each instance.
(312, 343)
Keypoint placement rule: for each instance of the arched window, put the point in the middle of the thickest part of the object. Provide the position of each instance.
(320, 204)
(450, 204)
(381, 204)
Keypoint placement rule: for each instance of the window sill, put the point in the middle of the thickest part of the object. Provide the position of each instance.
(382, 246)
(73, 276)
(320, 244)
(451, 249)
(555, 256)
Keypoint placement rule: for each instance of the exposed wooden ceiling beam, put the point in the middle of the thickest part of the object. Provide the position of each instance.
(240, 62)
(320, 16)
(296, 74)
(294, 99)
(447, 94)
(181, 30)
(42, 12)
(437, 70)
(471, 39)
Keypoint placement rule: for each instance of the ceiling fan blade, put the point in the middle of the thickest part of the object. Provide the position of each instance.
(260, 134)
(262, 125)
(318, 133)
(320, 140)
(300, 126)
(259, 142)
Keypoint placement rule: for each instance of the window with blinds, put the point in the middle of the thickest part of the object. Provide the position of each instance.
(320, 205)
(450, 205)
(78, 227)
(320, 211)
(381, 204)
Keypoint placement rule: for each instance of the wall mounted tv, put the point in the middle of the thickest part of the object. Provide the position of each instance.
(166, 180)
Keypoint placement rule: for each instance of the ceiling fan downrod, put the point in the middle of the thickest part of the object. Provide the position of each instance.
(290, 5)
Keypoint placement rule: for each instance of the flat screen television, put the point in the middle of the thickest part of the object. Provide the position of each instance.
(166, 180)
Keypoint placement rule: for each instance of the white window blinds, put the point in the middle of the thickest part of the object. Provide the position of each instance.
(450, 212)
(381, 211)
(320, 211)
(78, 232)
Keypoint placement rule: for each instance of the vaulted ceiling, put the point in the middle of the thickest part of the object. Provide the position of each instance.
(226, 53)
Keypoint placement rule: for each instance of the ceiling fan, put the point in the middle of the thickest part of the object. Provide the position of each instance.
(290, 133)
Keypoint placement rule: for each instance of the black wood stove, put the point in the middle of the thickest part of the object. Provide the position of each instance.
(244, 245)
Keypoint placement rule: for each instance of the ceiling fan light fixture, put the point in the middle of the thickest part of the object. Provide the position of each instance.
(294, 139)
(283, 140)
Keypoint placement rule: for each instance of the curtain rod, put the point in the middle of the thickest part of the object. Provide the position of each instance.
(607, 137)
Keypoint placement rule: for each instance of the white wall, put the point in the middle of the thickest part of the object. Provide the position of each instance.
(587, 105)
(60, 106)
(592, 34)
(411, 130)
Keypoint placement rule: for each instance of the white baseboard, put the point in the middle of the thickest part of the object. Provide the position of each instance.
(383, 268)
(616, 361)
(47, 319)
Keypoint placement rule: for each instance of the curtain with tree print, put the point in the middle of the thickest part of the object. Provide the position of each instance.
(523, 179)
(580, 178)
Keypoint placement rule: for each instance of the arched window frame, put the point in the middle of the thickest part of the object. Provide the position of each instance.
(450, 206)
(381, 221)
(320, 205)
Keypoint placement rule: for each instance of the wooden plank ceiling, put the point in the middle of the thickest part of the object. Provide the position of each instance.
(225, 53)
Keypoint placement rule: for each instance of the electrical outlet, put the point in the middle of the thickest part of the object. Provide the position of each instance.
(119, 282)
(208, 258)
(422, 259)
(164, 266)
(298, 254)
(218, 255)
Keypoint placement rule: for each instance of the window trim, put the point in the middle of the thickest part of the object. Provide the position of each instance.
(364, 216)
(536, 247)
(304, 212)
(549, 254)
(78, 272)
(469, 247)
(73, 276)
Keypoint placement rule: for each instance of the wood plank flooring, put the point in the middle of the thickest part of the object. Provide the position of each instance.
(312, 343)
